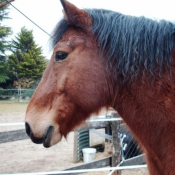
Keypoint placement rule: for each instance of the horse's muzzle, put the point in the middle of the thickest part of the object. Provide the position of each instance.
(45, 139)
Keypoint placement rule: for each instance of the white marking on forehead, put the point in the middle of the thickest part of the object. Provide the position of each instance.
(72, 41)
(68, 43)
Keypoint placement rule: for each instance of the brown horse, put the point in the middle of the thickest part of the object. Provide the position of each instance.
(105, 59)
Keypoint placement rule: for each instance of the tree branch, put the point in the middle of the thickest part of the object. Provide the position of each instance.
(5, 3)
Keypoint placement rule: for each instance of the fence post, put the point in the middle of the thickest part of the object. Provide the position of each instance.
(19, 94)
(81, 140)
(116, 157)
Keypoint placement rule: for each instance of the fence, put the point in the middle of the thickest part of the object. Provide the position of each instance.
(124, 150)
(16, 95)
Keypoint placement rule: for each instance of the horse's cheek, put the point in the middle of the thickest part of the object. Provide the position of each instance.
(84, 95)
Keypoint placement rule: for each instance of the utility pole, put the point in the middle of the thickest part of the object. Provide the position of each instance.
(5, 3)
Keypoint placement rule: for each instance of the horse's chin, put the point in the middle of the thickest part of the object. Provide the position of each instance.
(53, 136)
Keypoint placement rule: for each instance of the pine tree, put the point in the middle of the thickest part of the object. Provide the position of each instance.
(26, 60)
(4, 33)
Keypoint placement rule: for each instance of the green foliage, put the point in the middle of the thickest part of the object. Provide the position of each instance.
(3, 78)
(4, 44)
(6, 92)
(26, 60)
(3, 70)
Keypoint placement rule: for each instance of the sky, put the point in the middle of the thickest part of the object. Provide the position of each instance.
(47, 13)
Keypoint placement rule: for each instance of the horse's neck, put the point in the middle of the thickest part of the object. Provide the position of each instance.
(148, 110)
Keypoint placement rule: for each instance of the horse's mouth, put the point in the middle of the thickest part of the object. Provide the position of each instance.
(50, 138)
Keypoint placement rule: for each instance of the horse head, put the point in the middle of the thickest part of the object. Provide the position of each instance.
(74, 84)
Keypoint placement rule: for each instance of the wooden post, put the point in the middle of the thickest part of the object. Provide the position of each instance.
(108, 129)
(116, 157)
(75, 152)
(81, 140)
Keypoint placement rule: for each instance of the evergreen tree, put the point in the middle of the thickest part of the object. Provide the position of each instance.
(26, 60)
(4, 33)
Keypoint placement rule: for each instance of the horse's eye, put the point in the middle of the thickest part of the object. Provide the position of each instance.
(60, 56)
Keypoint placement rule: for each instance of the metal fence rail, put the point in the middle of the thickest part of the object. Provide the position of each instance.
(16, 95)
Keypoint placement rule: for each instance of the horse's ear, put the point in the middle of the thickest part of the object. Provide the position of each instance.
(76, 16)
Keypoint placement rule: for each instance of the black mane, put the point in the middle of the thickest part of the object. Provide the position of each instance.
(132, 45)
(58, 32)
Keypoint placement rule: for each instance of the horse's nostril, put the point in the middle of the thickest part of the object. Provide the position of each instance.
(28, 129)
